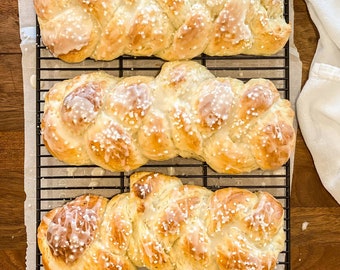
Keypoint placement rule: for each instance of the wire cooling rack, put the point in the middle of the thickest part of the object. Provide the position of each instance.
(57, 182)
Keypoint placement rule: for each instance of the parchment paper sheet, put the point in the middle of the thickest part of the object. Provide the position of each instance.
(28, 44)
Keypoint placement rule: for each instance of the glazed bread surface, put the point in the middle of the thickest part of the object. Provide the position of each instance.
(120, 124)
(74, 30)
(163, 224)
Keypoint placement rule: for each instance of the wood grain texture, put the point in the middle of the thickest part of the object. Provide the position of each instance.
(316, 247)
(305, 36)
(9, 32)
(11, 96)
(11, 259)
(315, 237)
(12, 196)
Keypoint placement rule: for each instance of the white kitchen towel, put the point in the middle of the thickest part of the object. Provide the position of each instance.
(326, 17)
(318, 106)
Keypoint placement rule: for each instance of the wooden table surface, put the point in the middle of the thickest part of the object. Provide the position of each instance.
(317, 247)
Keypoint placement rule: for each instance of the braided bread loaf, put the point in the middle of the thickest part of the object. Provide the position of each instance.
(121, 123)
(163, 224)
(173, 30)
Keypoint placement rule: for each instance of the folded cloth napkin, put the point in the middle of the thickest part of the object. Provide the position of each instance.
(318, 106)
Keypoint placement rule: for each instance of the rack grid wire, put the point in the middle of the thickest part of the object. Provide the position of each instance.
(57, 183)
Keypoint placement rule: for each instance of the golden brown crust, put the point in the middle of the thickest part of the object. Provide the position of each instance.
(68, 233)
(122, 123)
(155, 138)
(173, 30)
(80, 100)
(111, 146)
(163, 224)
